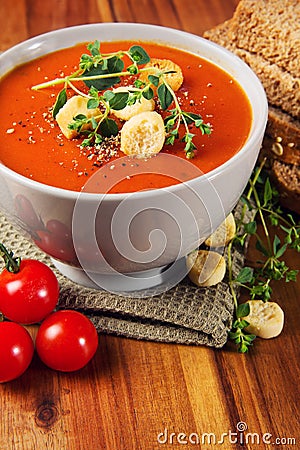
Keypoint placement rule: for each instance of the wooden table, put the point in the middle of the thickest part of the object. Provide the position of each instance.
(144, 395)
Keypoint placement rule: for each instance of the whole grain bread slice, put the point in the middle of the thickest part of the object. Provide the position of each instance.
(282, 137)
(282, 89)
(283, 131)
(286, 178)
(277, 148)
(271, 29)
(281, 142)
(282, 125)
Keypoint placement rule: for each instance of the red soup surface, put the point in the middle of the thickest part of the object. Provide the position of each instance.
(34, 146)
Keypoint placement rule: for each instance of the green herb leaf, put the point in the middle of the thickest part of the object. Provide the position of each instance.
(192, 117)
(281, 251)
(116, 100)
(148, 94)
(94, 123)
(198, 122)
(106, 67)
(98, 138)
(291, 275)
(133, 69)
(171, 137)
(243, 310)
(243, 323)
(276, 244)
(86, 62)
(154, 80)
(189, 146)
(101, 83)
(242, 339)
(277, 249)
(115, 65)
(61, 100)
(78, 122)
(93, 103)
(250, 227)
(95, 100)
(108, 127)
(80, 117)
(171, 120)
(94, 48)
(267, 191)
(261, 290)
(139, 55)
(165, 96)
(245, 275)
(87, 142)
(139, 84)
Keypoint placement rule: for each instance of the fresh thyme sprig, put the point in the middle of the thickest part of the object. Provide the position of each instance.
(262, 199)
(100, 72)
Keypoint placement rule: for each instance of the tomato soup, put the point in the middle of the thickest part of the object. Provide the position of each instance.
(32, 143)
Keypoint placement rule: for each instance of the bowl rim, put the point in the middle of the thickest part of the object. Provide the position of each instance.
(254, 134)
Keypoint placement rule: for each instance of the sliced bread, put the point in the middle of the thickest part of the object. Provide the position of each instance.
(276, 148)
(286, 177)
(282, 88)
(267, 28)
(255, 34)
(282, 136)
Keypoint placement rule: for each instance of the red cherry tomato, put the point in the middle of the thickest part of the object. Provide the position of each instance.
(30, 294)
(66, 340)
(16, 350)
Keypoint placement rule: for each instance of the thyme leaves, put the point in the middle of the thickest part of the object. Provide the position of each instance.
(263, 200)
(102, 71)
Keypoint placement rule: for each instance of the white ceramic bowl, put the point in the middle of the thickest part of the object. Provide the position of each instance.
(131, 239)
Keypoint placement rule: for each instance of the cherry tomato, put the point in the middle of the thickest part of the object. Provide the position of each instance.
(30, 294)
(66, 340)
(16, 350)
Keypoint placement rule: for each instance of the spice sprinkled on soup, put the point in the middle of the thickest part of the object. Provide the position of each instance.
(71, 112)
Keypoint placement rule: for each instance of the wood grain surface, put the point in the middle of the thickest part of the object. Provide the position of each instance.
(145, 395)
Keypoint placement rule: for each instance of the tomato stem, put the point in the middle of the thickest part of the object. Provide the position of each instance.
(12, 264)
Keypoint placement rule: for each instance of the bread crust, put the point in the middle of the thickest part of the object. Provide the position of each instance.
(286, 178)
(206, 268)
(174, 79)
(74, 106)
(143, 135)
(284, 127)
(282, 88)
(266, 35)
(280, 150)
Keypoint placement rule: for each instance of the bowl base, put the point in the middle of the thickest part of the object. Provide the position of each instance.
(138, 284)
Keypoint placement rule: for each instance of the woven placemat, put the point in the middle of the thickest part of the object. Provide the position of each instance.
(185, 314)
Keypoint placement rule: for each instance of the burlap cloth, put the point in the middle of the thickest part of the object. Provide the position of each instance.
(186, 314)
